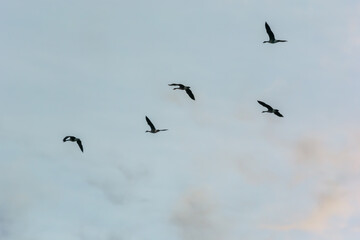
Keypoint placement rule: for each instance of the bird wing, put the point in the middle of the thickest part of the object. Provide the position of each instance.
(65, 138)
(191, 95)
(150, 123)
(269, 32)
(265, 105)
(163, 129)
(277, 113)
(175, 84)
(80, 145)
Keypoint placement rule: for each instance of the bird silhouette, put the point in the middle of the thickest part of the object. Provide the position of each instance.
(153, 129)
(270, 109)
(74, 139)
(183, 87)
(271, 35)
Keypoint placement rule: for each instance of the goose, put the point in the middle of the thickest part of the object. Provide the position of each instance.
(271, 35)
(183, 87)
(270, 109)
(153, 129)
(74, 139)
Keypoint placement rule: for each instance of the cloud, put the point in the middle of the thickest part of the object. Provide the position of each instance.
(334, 154)
(326, 166)
(197, 216)
(331, 210)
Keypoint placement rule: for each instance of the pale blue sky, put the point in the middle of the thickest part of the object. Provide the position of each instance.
(224, 170)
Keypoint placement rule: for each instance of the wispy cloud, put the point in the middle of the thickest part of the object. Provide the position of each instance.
(326, 163)
(331, 210)
(197, 216)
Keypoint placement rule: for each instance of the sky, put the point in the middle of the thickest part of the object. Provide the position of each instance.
(224, 170)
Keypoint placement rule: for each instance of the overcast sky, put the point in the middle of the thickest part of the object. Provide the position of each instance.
(224, 170)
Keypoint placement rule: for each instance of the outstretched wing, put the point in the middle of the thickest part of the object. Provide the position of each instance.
(277, 113)
(269, 32)
(191, 95)
(265, 105)
(175, 84)
(150, 123)
(80, 145)
(66, 138)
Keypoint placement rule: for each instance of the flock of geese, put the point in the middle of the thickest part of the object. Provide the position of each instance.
(153, 129)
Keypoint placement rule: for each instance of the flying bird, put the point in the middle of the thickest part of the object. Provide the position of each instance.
(270, 109)
(74, 139)
(153, 129)
(183, 87)
(271, 35)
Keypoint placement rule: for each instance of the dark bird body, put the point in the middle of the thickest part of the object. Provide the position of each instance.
(270, 109)
(74, 139)
(183, 87)
(271, 35)
(153, 129)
